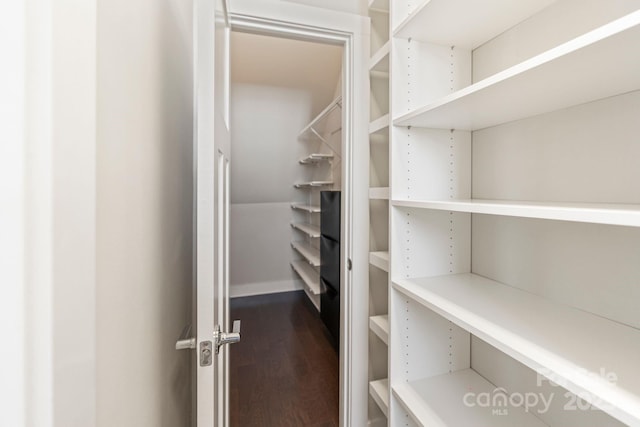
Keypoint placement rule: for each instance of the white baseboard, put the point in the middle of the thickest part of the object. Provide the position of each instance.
(250, 289)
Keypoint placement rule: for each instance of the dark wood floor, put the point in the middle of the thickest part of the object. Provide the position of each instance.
(285, 371)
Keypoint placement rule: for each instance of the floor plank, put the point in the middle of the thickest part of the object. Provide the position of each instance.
(285, 370)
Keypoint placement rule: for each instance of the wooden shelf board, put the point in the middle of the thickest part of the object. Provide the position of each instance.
(380, 59)
(379, 124)
(379, 259)
(315, 158)
(379, 391)
(545, 83)
(567, 345)
(308, 229)
(439, 401)
(476, 22)
(595, 213)
(379, 325)
(312, 184)
(311, 254)
(308, 274)
(306, 208)
(379, 193)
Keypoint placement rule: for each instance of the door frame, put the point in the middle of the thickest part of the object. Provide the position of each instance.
(352, 33)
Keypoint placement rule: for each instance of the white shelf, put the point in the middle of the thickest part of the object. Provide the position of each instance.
(565, 76)
(312, 184)
(308, 274)
(308, 229)
(306, 208)
(379, 5)
(595, 213)
(379, 124)
(568, 345)
(311, 254)
(380, 260)
(315, 299)
(311, 130)
(315, 158)
(379, 391)
(379, 193)
(380, 326)
(476, 22)
(380, 59)
(439, 401)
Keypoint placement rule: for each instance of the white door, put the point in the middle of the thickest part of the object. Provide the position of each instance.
(211, 162)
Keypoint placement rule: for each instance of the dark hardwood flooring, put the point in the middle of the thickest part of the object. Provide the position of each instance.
(285, 371)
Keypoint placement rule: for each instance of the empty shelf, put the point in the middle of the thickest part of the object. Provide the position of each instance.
(311, 254)
(380, 59)
(306, 208)
(567, 345)
(442, 22)
(312, 184)
(595, 213)
(379, 391)
(379, 124)
(440, 401)
(379, 259)
(545, 83)
(309, 229)
(379, 325)
(311, 129)
(308, 274)
(379, 193)
(315, 158)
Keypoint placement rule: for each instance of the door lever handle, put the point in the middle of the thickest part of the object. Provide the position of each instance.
(222, 338)
(186, 342)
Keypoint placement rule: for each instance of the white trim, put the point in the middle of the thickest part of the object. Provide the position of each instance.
(351, 31)
(264, 288)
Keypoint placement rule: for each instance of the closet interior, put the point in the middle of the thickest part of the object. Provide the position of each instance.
(286, 112)
(504, 259)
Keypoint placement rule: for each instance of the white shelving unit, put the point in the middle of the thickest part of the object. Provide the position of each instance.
(306, 208)
(379, 391)
(310, 230)
(310, 253)
(322, 134)
(379, 325)
(594, 213)
(380, 259)
(436, 402)
(476, 22)
(514, 213)
(380, 118)
(315, 158)
(313, 184)
(315, 128)
(544, 83)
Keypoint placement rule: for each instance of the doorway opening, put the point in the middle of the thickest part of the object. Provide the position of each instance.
(287, 148)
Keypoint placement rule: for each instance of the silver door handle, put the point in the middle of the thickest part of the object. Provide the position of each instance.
(186, 342)
(222, 338)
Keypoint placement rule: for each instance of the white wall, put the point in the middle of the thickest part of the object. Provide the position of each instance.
(277, 87)
(144, 211)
